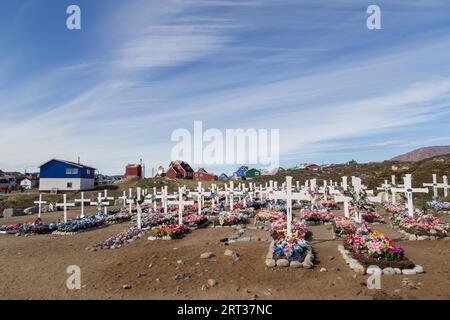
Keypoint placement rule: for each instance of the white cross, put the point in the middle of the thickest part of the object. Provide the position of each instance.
(100, 202)
(409, 191)
(345, 200)
(65, 204)
(40, 203)
(393, 190)
(214, 192)
(231, 192)
(437, 186)
(139, 216)
(139, 194)
(164, 198)
(181, 203)
(82, 201)
(106, 203)
(344, 183)
(287, 195)
(200, 196)
(385, 187)
(124, 199)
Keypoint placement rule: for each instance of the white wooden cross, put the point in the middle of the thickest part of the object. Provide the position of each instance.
(393, 190)
(409, 191)
(65, 204)
(40, 203)
(165, 197)
(437, 186)
(106, 200)
(139, 194)
(200, 194)
(285, 195)
(82, 201)
(214, 193)
(233, 193)
(124, 199)
(324, 190)
(100, 202)
(345, 200)
(181, 203)
(225, 193)
(385, 187)
(139, 216)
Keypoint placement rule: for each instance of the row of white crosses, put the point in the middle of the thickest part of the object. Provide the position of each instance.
(437, 186)
(200, 195)
(181, 203)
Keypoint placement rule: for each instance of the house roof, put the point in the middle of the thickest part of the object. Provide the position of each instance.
(201, 170)
(224, 175)
(78, 165)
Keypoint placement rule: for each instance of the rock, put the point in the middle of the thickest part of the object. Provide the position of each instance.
(212, 282)
(206, 255)
(182, 276)
(152, 238)
(389, 271)
(408, 272)
(359, 269)
(270, 263)
(373, 270)
(397, 291)
(179, 261)
(235, 256)
(433, 232)
(307, 264)
(341, 248)
(412, 237)
(228, 253)
(418, 269)
(296, 264)
(282, 263)
(331, 257)
(127, 286)
(11, 212)
(398, 271)
(323, 270)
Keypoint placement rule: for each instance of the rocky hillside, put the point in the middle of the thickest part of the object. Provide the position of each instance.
(423, 153)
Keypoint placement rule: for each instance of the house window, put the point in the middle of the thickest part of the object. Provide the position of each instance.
(88, 171)
(71, 171)
(69, 185)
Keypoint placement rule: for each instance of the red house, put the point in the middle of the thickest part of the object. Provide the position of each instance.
(133, 170)
(180, 170)
(203, 175)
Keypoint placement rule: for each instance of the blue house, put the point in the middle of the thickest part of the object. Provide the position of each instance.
(60, 175)
(241, 172)
(224, 177)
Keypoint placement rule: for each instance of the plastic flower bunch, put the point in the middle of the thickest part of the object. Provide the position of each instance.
(371, 216)
(278, 230)
(425, 224)
(316, 215)
(194, 219)
(375, 246)
(290, 248)
(81, 224)
(438, 205)
(228, 218)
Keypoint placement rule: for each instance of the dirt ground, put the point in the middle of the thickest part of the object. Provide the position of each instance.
(35, 268)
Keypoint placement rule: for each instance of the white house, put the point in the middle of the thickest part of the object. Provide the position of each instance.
(28, 183)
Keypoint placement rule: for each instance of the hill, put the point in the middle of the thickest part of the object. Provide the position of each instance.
(423, 153)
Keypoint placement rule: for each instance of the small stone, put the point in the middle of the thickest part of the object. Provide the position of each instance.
(398, 271)
(307, 264)
(323, 270)
(412, 237)
(152, 238)
(126, 286)
(270, 263)
(359, 269)
(212, 283)
(408, 272)
(418, 269)
(228, 253)
(180, 261)
(373, 270)
(397, 291)
(150, 265)
(206, 255)
(182, 276)
(296, 264)
(283, 263)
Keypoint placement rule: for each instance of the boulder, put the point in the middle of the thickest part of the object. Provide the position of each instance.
(418, 269)
(296, 264)
(270, 263)
(282, 263)
(11, 212)
(389, 271)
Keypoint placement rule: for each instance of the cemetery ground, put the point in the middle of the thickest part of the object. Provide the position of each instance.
(35, 267)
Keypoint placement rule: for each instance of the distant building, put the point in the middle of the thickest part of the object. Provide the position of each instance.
(203, 175)
(61, 175)
(252, 173)
(29, 183)
(277, 170)
(312, 166)
(224, 177)
(241, 172)
(133, 170)
(180, 170)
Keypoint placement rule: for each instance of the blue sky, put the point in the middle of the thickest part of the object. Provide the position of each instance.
(113, 92)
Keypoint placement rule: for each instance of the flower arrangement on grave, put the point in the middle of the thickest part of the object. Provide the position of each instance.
(155, 219)
(278, 230)
(195, 220)
(39, 228)
(359, 200)
(376, 249)
(119, 217)
(422, 225)
(121, 239)
(328, 204)
(316, 216)
(227, 218)
(82, 224)
(270, 216)
(371, 217)
(343, 226)
(293, 248)
(173, 231)
(438, 205)
(248, 212)
(12, 228)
